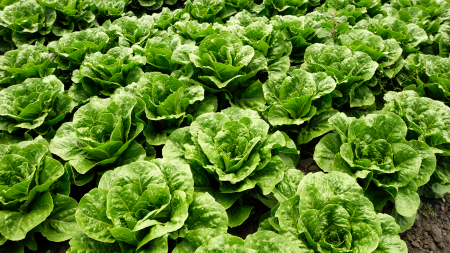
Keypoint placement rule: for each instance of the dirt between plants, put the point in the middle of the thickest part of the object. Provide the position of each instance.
(431, 232)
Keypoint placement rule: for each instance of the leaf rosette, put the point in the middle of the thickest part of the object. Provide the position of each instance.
(301, 31)
(34, 191)
(193, 30)
(351, 70)
(294, 99)
(130, 30)
(140, 205)
(409, 35)
(288, 7)
(71, 14)
(109, 8)
(73, 47)
(167, 52)
(102, 133)
(427, 121)
(258, 33)
(27, 61)
(208, 10)
(329, 213)
(235, 147)
(427, 74)
(387, 53)
(374, 150)
(224, 61)
(103, 73)
(37, 103)
(27, 19)
(169, 103)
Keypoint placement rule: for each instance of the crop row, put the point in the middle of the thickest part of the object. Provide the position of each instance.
(184, 119)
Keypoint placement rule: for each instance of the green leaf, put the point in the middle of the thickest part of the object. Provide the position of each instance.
(91, 216)
(81, 243)
(224, 243)
(238, 214)
(326, 150)
(61, 224)
(15, 225)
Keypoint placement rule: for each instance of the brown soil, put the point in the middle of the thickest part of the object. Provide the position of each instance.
(308, 165)
(431, 231)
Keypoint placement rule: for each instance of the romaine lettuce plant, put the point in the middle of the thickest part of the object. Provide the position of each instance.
(165, 18)
(301, 31)
(109, 8)
(73, 47)
(103, 73)
(329, 213)
(27, 20)
(224, 61)
(235, 148)
(166, 52)
(208, 10)
(168, 103)
(288, 100)
(71, 14)
(193, 30)
(428, 121)
(102, 133)
(351, 70)
(410, 35)
(140, 205)
(374, 150)
(258, 33)
(427, 74)
(27, 61)
(387, 53)
(34, 191)
(296, 98)
(37, 103)
(130, 30)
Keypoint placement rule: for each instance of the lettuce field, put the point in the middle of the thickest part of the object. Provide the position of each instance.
(153, 126)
